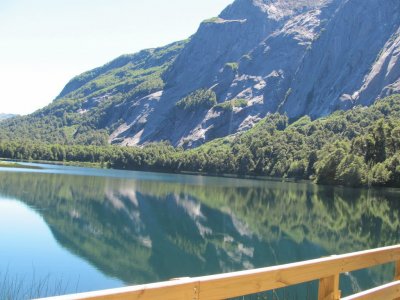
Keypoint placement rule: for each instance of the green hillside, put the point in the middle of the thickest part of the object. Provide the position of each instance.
(82, 113)
(354, 148)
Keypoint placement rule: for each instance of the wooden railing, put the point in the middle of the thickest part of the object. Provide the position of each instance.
(229, 285)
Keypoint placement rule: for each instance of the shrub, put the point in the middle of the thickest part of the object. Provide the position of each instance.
(201, 98)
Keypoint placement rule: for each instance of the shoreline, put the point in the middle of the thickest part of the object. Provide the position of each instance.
(103, 166)
(99, 166)
(16, 165)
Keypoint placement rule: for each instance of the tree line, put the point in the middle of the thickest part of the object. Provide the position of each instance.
(358, 147)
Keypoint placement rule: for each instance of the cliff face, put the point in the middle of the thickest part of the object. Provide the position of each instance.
(307, 57)
(295, 57)
(352, 62)
(250, 52)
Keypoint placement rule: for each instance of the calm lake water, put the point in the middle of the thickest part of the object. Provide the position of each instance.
(78, 229)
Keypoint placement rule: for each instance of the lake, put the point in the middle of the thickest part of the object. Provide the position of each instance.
(69, 229)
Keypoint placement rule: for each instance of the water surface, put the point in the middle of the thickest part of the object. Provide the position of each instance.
(94, 229)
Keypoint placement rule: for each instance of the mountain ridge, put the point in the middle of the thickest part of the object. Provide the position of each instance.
(4, 116)
(309, 57)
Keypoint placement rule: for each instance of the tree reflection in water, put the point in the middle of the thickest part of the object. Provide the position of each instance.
(145, 231)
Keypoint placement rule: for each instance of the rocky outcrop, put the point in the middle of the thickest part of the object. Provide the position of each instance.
(341, 68)
(295, 57)
(298, 57)
(251, 52)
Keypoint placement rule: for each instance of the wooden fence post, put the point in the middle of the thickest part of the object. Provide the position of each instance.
(329, 288)
(397, 273)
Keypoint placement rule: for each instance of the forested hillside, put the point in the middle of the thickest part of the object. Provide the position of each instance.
(358, 147)
(88, 109)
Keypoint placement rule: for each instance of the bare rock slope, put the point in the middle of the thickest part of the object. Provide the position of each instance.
(299, 57)
(295, 57)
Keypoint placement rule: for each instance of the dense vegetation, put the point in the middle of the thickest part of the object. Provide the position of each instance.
(356, 147)
(198, 99)
(229, 105)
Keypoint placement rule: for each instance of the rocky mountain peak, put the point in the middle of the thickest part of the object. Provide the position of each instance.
(297, 57)
(273, 9)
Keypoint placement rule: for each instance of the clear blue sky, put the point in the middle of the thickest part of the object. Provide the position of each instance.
(44, 43)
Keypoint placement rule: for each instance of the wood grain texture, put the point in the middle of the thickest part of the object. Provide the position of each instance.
(329, 288)
(385, 292)
(229, 285)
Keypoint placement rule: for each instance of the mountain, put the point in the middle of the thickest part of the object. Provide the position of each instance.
(307, 57)
(6, 116)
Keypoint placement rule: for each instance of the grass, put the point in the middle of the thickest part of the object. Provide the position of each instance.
(5, 164)
(229, 105)
(97, 165)
(14, 287)
(212, 20)
(234, 66)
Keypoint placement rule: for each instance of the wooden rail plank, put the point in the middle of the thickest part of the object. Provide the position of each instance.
(385, 292)
(254, 281)
(241, 283)
(170, 290)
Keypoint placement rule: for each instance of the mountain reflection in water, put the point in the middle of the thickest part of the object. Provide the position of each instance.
(143, 231)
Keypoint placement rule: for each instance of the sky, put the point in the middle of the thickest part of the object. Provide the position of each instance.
(44, 43)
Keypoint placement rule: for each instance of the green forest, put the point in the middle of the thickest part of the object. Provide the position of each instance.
(358, 147)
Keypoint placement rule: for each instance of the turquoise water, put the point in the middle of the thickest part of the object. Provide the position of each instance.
(79, 229)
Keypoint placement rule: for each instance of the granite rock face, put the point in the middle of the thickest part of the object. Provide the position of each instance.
(299, 57)
(349, 64)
